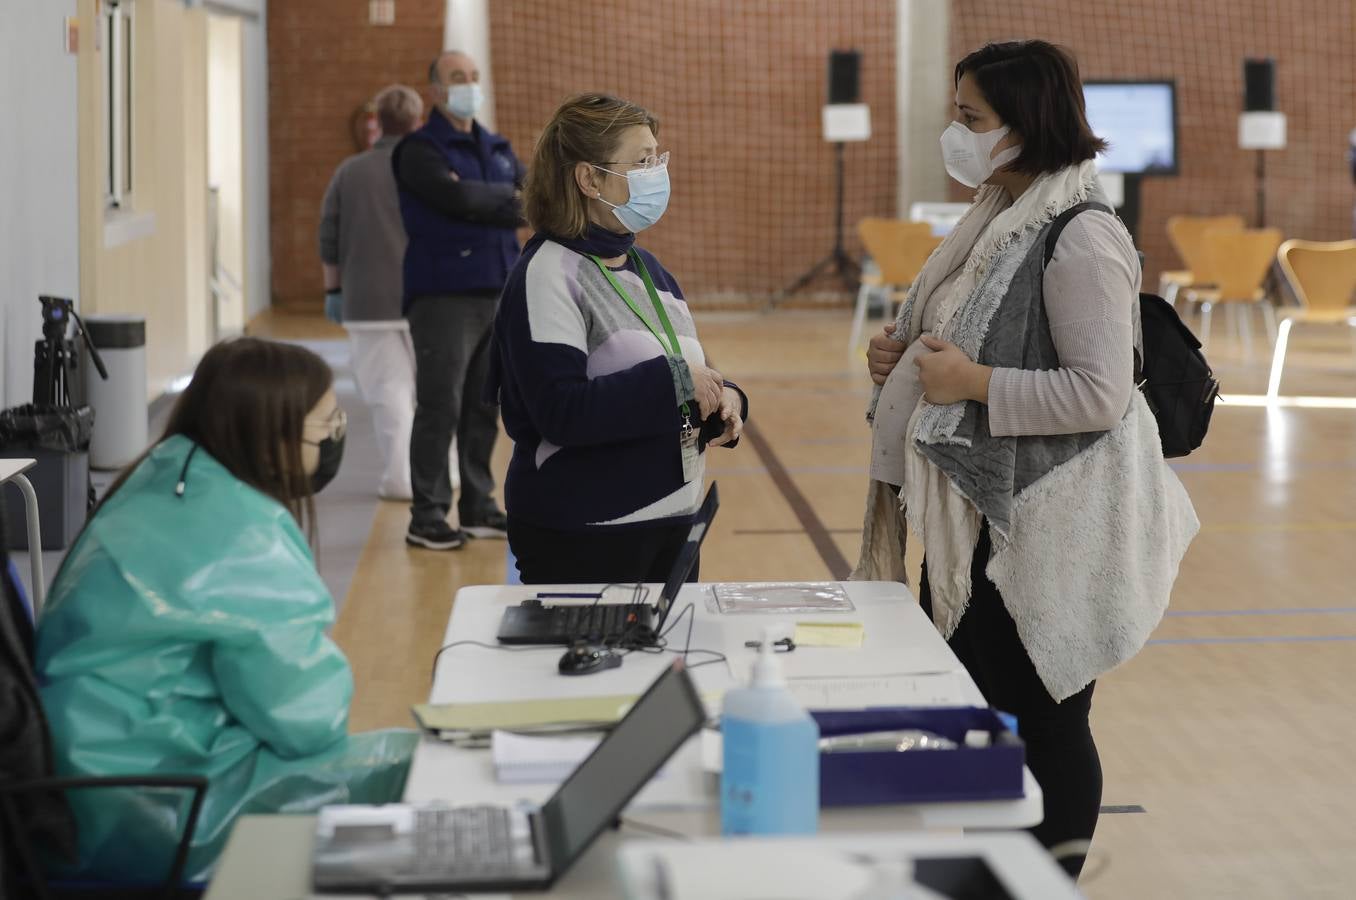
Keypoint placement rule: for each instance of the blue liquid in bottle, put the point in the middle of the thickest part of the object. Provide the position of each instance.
(770, 774)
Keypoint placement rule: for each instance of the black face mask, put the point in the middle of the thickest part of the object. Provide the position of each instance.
(331, 454)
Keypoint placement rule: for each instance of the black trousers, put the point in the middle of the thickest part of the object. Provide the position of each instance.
(620, 556)
(1059, 748)
(451, 337)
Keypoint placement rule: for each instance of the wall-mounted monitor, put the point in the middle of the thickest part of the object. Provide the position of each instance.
(1139, 120)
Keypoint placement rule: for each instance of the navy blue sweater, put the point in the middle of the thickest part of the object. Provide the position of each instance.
(588, 395)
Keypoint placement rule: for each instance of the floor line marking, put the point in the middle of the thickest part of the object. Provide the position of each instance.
(1290, 639)
(814, 527)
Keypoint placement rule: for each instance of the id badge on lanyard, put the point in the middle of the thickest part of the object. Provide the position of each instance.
(687, 435)
(688, 445)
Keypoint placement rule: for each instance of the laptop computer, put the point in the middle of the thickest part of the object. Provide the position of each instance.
(627, 624)
(402, 848)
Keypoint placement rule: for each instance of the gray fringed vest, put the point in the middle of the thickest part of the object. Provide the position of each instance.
(1007, 331)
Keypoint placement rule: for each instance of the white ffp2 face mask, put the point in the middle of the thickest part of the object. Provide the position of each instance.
(968, 155)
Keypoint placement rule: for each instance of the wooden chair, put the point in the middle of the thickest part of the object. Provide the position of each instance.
(898, 249)
(942, 217)
(1323, 277)
(1186, 233)
(1234, 263)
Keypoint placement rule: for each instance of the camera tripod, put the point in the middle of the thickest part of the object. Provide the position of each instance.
(56, 360)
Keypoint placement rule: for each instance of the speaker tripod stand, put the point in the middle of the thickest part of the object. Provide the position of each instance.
(837, 260)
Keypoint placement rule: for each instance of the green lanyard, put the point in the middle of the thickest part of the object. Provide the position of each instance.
(671, 348)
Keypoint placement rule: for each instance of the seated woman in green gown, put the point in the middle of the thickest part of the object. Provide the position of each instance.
(186, 631)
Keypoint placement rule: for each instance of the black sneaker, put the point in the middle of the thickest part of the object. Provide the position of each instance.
(493, 524)
(435, 536)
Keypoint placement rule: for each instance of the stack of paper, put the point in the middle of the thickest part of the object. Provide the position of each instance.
(461, 722)
(529, 759)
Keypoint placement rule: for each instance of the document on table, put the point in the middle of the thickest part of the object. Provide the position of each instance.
(479, 719)
(937, 689)
(525, 759)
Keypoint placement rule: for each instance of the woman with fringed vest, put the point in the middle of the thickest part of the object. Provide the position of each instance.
(1007, 432)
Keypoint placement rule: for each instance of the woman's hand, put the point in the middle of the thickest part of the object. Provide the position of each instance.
(730, 406)
(708, 386)
(882, 354)
(949, 376)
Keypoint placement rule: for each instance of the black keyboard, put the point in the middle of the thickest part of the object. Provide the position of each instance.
(603, 621)
(475, 839)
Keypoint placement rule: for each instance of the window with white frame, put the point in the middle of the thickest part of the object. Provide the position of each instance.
(118, 49)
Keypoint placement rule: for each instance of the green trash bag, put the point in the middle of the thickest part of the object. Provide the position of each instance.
(185, 635)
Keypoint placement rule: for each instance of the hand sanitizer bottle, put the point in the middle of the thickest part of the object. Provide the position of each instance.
(770, 778)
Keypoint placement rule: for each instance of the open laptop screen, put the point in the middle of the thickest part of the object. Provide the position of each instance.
(591, 799)
(687, 557)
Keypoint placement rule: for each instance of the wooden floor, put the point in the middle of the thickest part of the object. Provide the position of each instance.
(1233, 731)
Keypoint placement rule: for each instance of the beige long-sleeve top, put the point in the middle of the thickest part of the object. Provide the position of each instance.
(1091, 292)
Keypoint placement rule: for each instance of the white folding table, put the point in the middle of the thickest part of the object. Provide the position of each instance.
(12, 471)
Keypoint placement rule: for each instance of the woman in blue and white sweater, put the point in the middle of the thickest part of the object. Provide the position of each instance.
(596, 365)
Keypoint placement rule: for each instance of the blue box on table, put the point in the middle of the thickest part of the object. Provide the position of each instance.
(874, 777)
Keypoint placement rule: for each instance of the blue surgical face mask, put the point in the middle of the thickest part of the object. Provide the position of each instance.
(649, 196)
(464, 100)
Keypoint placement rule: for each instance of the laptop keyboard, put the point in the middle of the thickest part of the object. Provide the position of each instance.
(603, 621)
(479, 840)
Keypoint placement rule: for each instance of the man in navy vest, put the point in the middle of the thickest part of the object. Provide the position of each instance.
(461, 203)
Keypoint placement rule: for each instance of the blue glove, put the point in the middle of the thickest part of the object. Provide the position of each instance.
(334, 306)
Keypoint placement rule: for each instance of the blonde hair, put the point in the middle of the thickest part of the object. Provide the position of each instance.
(399, 109)
(586, 128)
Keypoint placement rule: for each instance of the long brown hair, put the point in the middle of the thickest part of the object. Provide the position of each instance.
(586, 128)
(247, 407)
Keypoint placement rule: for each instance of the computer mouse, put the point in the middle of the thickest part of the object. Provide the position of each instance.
(585, 659)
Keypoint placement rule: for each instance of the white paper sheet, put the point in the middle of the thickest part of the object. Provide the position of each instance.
(529, 759)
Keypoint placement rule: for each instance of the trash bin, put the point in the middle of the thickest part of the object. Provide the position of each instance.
(120, 430)
(58, 438)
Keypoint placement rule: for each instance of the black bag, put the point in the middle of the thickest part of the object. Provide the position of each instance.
(57, 428)
(1173, 373)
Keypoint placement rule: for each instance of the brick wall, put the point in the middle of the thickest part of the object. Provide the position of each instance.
(1201, 44)
(739, 85)
(324, 61)
(738, 88)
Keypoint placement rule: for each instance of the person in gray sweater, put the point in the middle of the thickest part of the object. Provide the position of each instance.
(362, 246)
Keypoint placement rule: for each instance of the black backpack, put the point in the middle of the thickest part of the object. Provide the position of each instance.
(1173, 373)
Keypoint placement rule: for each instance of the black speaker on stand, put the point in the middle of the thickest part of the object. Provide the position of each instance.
(844, 119)
(1260, 126)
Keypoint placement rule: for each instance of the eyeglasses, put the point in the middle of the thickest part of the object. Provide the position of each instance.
(336, 425)
(652, 161)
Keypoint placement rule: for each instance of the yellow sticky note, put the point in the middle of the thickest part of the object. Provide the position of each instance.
(829, 634)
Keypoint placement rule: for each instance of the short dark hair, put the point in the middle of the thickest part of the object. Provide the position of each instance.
(1035, 88)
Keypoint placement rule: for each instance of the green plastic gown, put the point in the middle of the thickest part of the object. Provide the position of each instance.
(186, 635)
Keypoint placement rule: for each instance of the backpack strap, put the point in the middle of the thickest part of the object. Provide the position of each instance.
(1057, 226)
(1052, 237)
